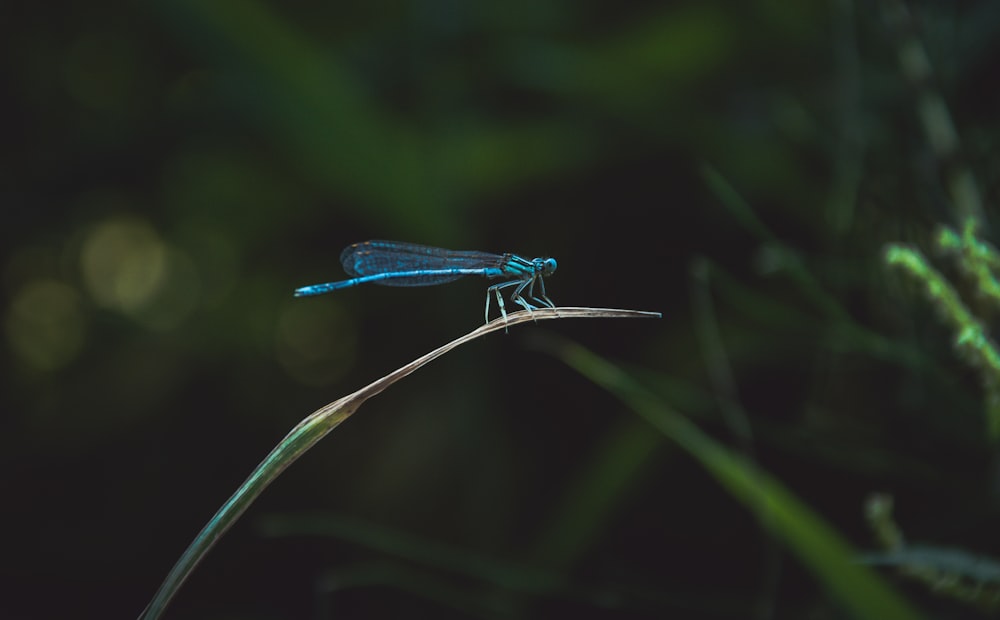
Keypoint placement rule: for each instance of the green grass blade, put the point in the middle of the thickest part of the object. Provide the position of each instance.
(316, 426)
(821, 550)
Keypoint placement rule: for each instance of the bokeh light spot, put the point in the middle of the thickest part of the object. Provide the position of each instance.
(176, 297)
(45, 324)
(124, 263)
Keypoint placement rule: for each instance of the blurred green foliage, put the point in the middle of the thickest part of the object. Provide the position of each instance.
(173, 170)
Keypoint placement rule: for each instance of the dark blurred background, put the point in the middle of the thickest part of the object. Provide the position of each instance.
(173, 170)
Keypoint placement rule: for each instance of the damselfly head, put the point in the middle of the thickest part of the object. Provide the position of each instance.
(545, 266)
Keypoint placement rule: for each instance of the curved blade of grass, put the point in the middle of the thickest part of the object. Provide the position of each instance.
(313, 428)
(859, 589)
